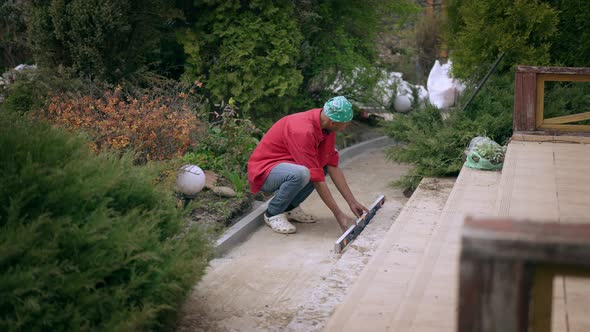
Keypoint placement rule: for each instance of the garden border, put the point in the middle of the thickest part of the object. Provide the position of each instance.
(241, 230)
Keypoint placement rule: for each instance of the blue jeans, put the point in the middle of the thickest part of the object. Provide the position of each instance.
(292, 186)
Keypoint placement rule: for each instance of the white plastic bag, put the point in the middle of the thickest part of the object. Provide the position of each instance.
(442, 88)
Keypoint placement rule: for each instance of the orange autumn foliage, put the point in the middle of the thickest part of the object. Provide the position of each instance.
(157, 127)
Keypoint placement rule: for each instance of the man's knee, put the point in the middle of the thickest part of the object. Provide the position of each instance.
(301, 175)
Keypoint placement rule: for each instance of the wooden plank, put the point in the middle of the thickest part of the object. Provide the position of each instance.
(541, 300)
(540, 136)
(540, 103)
(493, 295)
(507, 272)
(541, 243)
(553, 70)
(568, 118)
(525, 102)
(565, 127)
(564, 77)
(353, 231)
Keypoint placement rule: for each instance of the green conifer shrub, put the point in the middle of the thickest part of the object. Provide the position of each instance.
(112, 40)
(478, 31)
(435, 145)
(87, 242)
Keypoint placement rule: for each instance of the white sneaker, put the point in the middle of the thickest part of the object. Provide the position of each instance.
(298, 215)
(280, 224)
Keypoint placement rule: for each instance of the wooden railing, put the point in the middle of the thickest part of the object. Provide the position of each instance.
(507, 269)
(529, 99)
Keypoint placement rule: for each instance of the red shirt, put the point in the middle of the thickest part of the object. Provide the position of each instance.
(298, 139)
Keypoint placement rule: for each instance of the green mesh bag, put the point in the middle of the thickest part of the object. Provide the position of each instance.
(485, 154)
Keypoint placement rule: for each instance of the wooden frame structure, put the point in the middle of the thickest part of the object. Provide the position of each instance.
(507, 269)
(529, 96)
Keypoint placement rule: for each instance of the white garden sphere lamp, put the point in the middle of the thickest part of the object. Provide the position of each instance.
(190, 180)
(402, 104)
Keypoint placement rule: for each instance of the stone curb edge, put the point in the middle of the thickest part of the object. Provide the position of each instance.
(240, 231)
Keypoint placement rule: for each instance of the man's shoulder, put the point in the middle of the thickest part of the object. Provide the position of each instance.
(304, 122)
(309, 114)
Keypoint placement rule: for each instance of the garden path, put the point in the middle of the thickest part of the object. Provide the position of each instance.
(275, 282)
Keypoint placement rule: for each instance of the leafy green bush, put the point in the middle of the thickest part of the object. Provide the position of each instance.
(435, 145)
(110, 40)
(30, 88)
(278, 57)
(565, 98)
(87, 242)
(245, 50)
(227, 144)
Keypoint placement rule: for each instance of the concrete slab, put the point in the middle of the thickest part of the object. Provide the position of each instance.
(417, 263)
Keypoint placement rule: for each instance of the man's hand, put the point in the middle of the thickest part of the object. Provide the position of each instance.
(357, 208)
(344, 221)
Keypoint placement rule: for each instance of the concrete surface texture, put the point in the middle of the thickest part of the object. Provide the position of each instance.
(550, 182)
(275, 282)
(411, 283)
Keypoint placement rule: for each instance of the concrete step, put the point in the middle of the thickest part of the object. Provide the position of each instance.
(411, 282)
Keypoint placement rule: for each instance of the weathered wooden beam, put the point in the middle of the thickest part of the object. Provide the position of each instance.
(507, 270)
(493, 295)
(529, 96)
(564, 77)
(568, 118)
(533, 242)
(553, 70)
(525, 101)
(565, 127)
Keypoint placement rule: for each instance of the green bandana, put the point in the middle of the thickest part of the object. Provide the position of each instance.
(338, 109)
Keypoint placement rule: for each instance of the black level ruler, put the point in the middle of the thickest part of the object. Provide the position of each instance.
(353, 231)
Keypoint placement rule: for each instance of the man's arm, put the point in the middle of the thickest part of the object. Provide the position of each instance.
(340, 181)
(342, 218)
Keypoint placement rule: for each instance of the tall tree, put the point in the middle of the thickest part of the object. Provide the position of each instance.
(480, 30)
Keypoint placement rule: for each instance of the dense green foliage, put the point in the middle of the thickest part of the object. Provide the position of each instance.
(539, 32)
(87, 242)
(274, 57)
(480, 30)
(32, 88)
(13, 47)
(564, 98)
(435, 145)
(110, 39)
(550, 32)
(571, 44)
(247, 51)
(226, 145)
